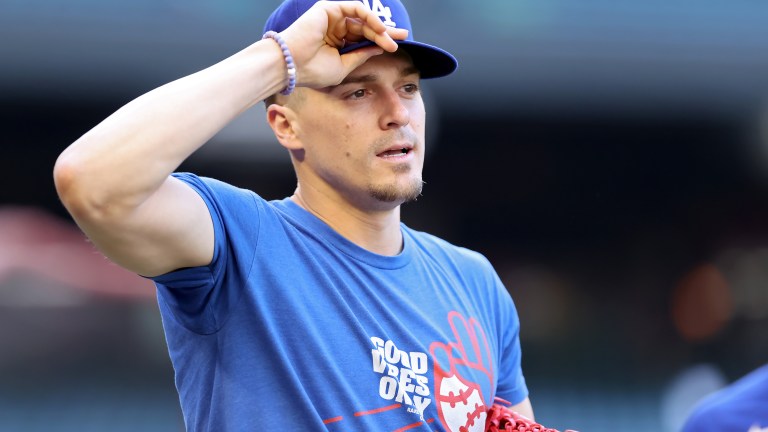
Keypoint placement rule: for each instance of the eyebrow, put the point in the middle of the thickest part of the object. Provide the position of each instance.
(368, 78)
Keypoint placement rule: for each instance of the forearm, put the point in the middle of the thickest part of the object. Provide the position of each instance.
(124, 159)
(524, 408)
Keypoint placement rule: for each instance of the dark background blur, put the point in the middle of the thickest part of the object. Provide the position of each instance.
(604, 155)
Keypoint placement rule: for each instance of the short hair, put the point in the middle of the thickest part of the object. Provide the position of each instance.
(270, 100)
(295, 98)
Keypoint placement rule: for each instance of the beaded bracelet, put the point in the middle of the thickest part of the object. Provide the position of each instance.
(288, 61)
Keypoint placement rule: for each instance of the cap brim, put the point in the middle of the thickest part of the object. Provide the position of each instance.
(431, 61)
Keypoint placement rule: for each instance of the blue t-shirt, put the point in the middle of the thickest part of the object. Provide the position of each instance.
(292, 326)
(740, 407)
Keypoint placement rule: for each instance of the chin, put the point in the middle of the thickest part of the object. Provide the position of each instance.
(396, 193)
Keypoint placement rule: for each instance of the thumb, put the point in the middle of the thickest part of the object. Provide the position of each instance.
(354, 59)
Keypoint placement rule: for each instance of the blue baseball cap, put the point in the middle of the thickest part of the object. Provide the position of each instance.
(431, 61)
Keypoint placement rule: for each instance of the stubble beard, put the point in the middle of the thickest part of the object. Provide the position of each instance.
(392, 192)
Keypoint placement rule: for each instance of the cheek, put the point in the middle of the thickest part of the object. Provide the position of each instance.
(418, 121)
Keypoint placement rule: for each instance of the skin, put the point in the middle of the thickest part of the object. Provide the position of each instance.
(337, 137)
(115, 180)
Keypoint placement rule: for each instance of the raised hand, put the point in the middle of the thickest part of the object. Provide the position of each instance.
(315, 38)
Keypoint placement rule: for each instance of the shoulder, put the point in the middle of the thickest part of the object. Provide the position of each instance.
(707, 415)
(222, 197)
(239, 215)
(441, 249)
(212, 186)
(737, 399)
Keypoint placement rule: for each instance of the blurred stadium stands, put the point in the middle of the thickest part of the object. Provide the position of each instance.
(603, 154)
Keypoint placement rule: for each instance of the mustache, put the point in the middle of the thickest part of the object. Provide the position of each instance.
(385, 142)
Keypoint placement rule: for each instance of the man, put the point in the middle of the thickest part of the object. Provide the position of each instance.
(320, 310)
(739, 407)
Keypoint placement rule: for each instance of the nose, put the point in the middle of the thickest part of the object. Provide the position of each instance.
(395, 113)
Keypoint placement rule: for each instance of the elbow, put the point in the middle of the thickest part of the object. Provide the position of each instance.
(77, 186)
(91, 191)
(67, 178)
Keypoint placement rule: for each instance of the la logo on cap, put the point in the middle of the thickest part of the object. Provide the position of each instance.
(382, 11)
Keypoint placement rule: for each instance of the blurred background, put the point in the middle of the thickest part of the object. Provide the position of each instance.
(605, 155)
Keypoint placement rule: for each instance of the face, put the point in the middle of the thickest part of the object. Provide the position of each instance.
(364, 138)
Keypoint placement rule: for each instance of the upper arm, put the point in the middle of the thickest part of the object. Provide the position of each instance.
(169, 230)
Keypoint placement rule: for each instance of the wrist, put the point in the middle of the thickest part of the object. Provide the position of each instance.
(290, 66)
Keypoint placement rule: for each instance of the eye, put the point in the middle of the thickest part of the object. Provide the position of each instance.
(411, 88)
(357, 94)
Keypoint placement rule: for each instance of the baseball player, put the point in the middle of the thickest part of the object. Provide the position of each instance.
(321, 310)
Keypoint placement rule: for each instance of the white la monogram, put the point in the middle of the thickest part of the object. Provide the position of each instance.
(382, 11)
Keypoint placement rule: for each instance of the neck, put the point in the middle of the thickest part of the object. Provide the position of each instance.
(376, 230)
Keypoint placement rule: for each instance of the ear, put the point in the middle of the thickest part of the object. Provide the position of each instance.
(284, 124)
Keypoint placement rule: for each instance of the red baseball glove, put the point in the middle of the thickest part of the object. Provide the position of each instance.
(502, 419)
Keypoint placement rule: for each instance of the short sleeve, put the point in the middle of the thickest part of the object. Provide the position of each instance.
(511, 382)
(197, 296)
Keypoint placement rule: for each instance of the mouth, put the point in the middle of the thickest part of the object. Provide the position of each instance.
(396, 152)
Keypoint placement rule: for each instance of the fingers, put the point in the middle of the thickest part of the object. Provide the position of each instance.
(353, 21)
(387, 39)
(357, 31)
(315, 38)
(397, 33)
(353, 59)
(356, 9)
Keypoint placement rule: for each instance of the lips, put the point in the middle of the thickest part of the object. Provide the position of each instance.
(396, 150)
